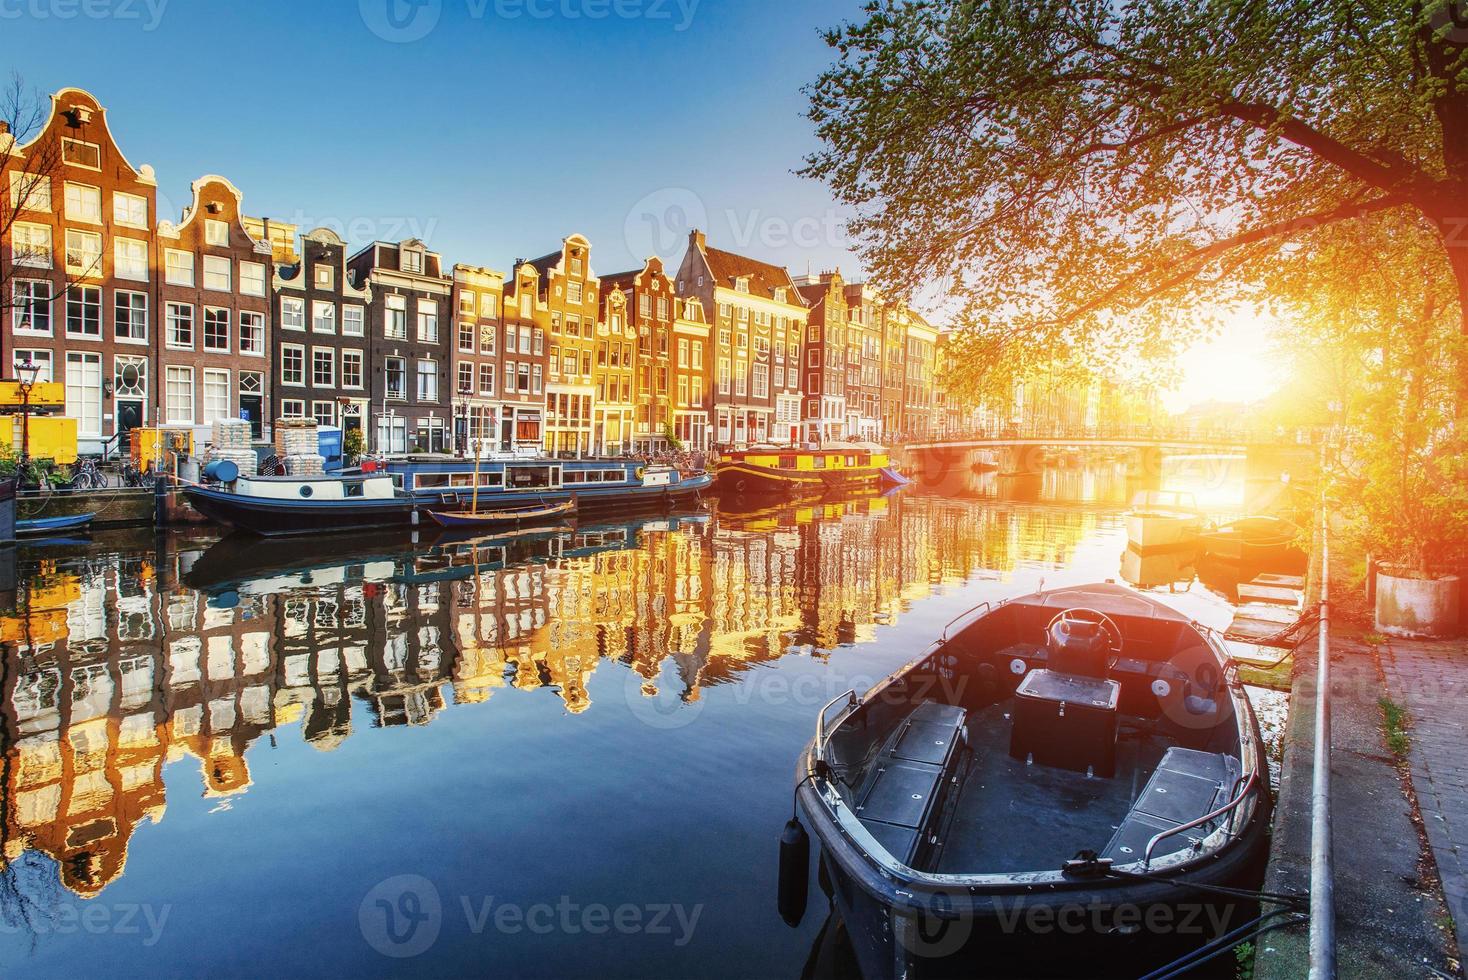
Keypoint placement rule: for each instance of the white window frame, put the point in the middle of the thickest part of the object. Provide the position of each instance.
(170, 312)
(125, 209)
(175, 272)
(85, 205)
(354, 314)
(330, 353)
(260, 332)
(252, 279)
(22, 303)
(299, 349)
(135, 294)
(292, 313)
(214, 374)
(38, 197)
(32, 245)
(216, 232)
(318, 308)
(169, 373)
(353, 356)
(222, 268)
(216, 348)
(83, 289)
(125, 259)
(91, 270)
(44, 359)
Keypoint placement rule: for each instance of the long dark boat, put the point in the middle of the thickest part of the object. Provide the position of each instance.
(1084, 756)
(1251, 539)
(503, 519)
(404, 491)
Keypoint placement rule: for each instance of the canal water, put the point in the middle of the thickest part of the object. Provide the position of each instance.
(567, 753)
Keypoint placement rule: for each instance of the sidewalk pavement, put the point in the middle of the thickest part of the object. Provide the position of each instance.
(1429, 678)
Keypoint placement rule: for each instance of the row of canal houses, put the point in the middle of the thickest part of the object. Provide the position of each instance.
(220, 314)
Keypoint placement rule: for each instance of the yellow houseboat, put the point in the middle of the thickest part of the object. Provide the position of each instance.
(789, 470)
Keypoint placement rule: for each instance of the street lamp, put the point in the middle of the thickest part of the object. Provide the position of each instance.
(26, 371)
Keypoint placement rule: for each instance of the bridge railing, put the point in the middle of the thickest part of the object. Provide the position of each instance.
(1061, 435)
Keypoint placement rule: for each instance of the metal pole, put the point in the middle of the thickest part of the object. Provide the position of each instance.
(1322, 882)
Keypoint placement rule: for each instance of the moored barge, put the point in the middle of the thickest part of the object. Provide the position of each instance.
(792, 471)
(402, 492)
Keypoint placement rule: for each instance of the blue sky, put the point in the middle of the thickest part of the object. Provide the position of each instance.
(490, 128)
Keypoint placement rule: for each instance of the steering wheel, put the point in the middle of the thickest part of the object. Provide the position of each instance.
(1081, 614)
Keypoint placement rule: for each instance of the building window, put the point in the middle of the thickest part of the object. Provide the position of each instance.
(216, 232)
(486, 379)
(353, 321)
(178, 267)
(29, 192)
(30, 245)
(723, 375)
(130, 377)
(292, 408)
(324, 412)
(466, 337)
(351, 369)
(487, 336)
(180, 323)
(84, 392)
(682, 353)
(292, 313)
(466, 303)
(179, 395)
(427, 321)
(524, 377)
(536, 379)
(84, 311)
(252, 332)
(489, 306)
(396, 325)
(741, 379)
(40, 358)
(31, 312)
(252, 278)
(84, 253)
(573, 291)
(216, 394)
(509, 377)
(466, 378)
(130, 259)
(427, 380)
(292, 364)
(79, 153)
(218, 273)
(216, 329)
(323, 367)
(129, 210)
(524, 341)
(323, 317)
(130, 316)
(413, 261)
(325, 276)
(761, 381)
(396, 372)
(83, 203)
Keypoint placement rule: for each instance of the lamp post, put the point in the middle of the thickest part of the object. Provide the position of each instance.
(26, 371)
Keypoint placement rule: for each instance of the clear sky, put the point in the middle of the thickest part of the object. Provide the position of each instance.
(492, 129)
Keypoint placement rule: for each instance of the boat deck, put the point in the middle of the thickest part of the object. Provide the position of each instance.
(1004, 803)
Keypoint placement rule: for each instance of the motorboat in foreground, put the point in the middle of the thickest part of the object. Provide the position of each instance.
(1163, 519)
(1085, 756)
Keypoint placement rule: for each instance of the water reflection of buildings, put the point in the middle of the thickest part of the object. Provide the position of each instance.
(107, 675)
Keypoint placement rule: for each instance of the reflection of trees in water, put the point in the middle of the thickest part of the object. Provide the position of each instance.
(117, 675)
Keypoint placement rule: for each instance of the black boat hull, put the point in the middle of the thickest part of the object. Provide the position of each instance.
(274, 517)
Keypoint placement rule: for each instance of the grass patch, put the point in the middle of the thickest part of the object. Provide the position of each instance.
(1244, 961)
(1373, 639)
(1397, 723)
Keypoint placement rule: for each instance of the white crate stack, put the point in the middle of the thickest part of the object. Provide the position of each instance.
(232, 441)
(298, 447)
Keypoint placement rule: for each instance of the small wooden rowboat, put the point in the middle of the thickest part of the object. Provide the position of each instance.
(51, 525)
(503, 518)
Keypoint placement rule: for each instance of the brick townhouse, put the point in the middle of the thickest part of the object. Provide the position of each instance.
(82, 269)
(567, 302)
(214, 311)
(410, 346)
(478, 408)
(641, 301)
(322, 356)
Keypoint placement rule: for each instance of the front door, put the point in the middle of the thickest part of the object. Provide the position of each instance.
(129, 417)
(252, 410)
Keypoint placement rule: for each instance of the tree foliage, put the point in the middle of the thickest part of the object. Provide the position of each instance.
(1077, 175)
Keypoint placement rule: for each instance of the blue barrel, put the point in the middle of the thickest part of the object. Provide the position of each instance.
(223, 470)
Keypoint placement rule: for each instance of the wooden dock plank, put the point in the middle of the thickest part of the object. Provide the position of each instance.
(1270, 594)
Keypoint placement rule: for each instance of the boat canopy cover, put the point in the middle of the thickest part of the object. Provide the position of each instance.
(1114, 600)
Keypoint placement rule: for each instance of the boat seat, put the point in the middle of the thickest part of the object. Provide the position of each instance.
(909, 774)
(1186, 785)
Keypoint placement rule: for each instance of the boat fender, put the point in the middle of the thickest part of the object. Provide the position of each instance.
(413, 518)
(641, 472)
(794, 872)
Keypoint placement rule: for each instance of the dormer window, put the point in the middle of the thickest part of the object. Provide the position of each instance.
(576, 265)
(741, 284)
(413, 261)
(779, 294)
(325, 276)
(79, 153)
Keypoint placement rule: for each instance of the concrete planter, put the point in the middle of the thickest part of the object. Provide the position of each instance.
(1416, 607)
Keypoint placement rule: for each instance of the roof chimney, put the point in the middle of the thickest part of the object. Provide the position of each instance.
(698, 239)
